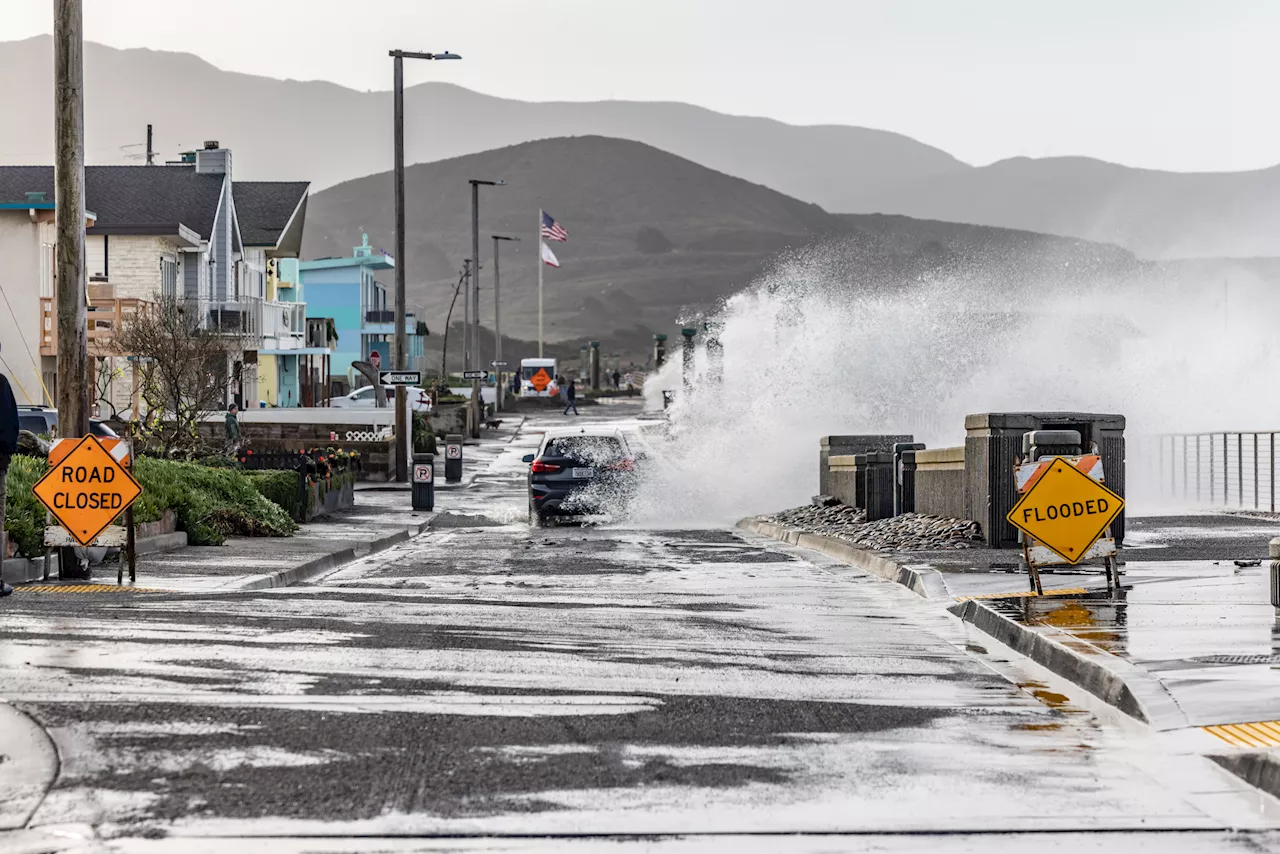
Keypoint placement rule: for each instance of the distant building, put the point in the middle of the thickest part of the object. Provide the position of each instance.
(183, 231)
(346, 290)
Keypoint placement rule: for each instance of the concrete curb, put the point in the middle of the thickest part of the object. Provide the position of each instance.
(1258, 768)
(327, 563)
(924, 582)
(20, 570)
(1108, 677)
(29, 768)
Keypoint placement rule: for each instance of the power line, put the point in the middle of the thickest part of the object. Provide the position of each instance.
(26, 346)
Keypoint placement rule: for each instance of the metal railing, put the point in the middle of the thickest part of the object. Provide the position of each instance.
(1221, 469)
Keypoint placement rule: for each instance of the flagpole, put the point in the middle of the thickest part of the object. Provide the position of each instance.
(540, 266)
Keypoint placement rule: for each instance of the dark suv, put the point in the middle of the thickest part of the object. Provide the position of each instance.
(578, 472)
(43, 421)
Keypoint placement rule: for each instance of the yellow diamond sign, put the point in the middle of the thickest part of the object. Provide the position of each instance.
(1066, 510)
(86, 490)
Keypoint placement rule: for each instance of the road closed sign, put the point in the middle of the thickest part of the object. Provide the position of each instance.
(1066, 510)
(86, 490)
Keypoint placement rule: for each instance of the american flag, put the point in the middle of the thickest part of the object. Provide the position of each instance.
(552, 230)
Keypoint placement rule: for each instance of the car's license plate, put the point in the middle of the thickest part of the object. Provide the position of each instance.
(583, 474)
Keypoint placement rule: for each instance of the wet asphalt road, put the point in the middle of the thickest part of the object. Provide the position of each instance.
(499, 688)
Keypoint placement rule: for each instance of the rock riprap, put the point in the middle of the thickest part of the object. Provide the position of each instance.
(908, 532)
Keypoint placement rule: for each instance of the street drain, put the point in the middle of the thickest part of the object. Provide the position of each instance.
(1237, 659)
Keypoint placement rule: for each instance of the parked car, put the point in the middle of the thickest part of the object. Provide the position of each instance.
(43, 421)
(419, 399)
(580, 472)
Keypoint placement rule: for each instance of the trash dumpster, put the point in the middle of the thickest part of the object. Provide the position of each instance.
(453, 458)
(424, 482)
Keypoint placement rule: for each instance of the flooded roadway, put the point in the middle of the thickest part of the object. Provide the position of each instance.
(496, 688)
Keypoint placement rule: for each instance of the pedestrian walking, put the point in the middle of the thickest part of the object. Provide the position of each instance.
(233, 428)
(8, 447)
(571, 395)
(617, 380)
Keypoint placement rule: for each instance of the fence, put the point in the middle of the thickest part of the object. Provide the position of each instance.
(1225, 469)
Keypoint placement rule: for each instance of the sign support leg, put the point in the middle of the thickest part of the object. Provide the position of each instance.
(131, 549)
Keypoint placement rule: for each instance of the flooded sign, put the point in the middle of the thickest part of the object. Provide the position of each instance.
(1064, 509)
(86, 489)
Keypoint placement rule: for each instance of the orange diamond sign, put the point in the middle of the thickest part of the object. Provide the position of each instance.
(86, 490)
(1066, 510)
(540, 380)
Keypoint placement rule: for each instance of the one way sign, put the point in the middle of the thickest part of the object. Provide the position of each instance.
(400, 377)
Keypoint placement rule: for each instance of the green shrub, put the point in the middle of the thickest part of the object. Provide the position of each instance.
(282, 487)
(210, 503)
(24, 515)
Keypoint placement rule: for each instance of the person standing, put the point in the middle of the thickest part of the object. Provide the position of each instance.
(571, 395)
(233, 428)
(8, 447)
(617, 379)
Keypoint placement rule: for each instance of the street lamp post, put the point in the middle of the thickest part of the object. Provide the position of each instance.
(400, 348)
(497, 320)
(473, 303)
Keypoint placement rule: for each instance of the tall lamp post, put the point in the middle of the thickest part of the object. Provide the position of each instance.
(400, 349)
(473, 356)
(497, 319)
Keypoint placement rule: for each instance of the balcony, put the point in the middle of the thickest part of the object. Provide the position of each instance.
(103, 318)
(284, 325)
(242, 317)
(382, 321)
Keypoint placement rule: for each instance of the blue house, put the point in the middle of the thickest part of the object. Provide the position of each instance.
(345, 290)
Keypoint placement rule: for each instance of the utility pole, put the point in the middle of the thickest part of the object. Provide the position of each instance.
(68, 126)
(151, 155)
(497, 320)
(400, 347)
(477, 405)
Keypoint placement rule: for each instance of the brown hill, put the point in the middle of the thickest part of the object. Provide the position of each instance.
(652, 237)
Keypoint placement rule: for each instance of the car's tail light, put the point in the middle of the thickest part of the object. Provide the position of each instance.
(540, 467)
(624, 465)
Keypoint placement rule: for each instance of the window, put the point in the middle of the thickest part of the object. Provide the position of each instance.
(168, 277)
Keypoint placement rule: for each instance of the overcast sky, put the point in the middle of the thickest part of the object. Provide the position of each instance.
(1168, 84)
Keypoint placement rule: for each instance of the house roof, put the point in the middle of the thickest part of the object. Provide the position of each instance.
(266, 208)
(130, 196)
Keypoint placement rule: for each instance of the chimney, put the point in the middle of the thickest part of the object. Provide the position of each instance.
(212, 160)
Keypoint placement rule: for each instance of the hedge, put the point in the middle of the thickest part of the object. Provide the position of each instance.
(211, 504)
(23, 512)
(284, 487)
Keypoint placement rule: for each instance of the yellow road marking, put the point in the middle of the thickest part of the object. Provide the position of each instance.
(83, 588)
(1064, 591)
(1252, 734)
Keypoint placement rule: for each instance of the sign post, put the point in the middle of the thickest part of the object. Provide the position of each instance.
(1065, 514)
(86, 488)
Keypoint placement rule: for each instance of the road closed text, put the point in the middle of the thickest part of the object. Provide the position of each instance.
(1066, 510)
(71, 498)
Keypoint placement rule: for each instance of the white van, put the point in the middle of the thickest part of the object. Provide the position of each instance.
(538, 378)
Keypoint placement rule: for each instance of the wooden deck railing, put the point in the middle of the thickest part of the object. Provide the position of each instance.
(104, 318)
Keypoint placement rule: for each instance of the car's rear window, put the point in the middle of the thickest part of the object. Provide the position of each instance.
(33, 423)
(586, 449)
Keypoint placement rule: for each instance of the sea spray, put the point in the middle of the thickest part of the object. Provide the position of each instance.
(809, 350)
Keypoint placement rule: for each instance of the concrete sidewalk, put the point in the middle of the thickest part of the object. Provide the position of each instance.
(383, 516)
(1190, 643)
